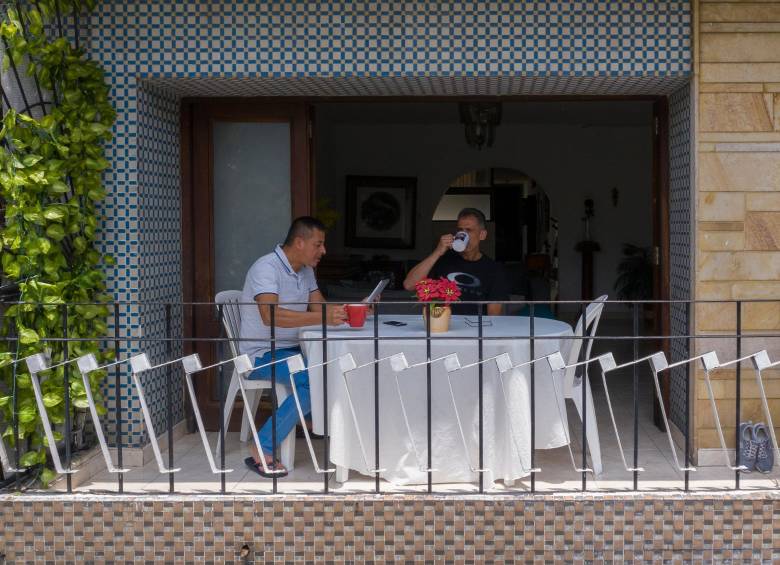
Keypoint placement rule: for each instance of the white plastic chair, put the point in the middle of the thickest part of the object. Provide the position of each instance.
(572, 387)
(231, 320)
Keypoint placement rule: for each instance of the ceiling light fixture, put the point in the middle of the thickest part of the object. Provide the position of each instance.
(480, 119)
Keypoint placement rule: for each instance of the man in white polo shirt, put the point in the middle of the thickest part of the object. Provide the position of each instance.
(284, 277)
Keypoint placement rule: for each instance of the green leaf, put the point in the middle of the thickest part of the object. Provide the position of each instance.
(48, 122)
(89, 311)
(81, 402)
(29, 459)
(23, 381)
(28, 336)
(97, 128)
(44, 245)
(96, 164)
(30, 160)
(36, 23)
(54, 213)
(58, 187)
(28, 414)
(52, 399)
(77, 388)
(48, 476)
(5, 400)
(33, 216)
(72, 96)
(38, 177)
(9, 120)
(80, 244)
(56, 232)
(96, 194)
(11, 268)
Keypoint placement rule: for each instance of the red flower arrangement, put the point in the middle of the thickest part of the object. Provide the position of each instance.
(437, 291)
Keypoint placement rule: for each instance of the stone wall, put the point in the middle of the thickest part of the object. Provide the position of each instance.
(737, 75)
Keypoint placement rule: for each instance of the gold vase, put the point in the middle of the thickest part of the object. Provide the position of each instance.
(440, 319)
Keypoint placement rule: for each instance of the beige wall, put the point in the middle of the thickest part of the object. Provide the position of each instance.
(737, 81)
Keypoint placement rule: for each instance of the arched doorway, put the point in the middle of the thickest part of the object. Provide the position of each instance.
(522, 234)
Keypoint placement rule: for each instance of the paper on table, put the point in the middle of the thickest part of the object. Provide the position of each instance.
(377, 291)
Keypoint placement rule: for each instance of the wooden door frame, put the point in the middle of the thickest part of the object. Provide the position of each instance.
(661, 241)
(197, 117)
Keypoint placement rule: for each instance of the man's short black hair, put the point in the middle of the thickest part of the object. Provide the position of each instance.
(303, 226)
(476, 214)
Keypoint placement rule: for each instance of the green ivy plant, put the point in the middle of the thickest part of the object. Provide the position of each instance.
(50, 185)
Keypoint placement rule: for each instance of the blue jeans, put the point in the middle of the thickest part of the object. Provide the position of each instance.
(287, 413)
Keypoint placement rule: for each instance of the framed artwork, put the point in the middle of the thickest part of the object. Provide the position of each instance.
(380, 212)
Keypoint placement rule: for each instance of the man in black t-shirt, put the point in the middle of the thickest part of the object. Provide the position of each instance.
(477, 275)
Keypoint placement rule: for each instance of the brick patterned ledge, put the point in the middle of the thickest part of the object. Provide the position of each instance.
(572, 527)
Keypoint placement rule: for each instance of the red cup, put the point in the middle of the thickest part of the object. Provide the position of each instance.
(356, 314)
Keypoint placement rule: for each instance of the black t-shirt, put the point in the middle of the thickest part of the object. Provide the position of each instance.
(483, 279)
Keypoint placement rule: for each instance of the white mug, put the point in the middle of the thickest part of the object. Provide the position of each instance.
(460, 242)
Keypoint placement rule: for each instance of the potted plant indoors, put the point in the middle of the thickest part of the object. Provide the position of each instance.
(437, 294)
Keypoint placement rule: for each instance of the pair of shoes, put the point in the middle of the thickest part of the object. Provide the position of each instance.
(755, 447)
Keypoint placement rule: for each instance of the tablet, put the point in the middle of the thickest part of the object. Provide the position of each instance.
(374, 296)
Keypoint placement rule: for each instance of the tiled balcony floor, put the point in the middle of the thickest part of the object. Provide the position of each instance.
(557, 475)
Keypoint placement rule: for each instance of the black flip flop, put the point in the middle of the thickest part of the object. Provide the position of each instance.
(258, 468)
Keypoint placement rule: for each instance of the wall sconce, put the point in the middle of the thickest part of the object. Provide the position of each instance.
(480, 119)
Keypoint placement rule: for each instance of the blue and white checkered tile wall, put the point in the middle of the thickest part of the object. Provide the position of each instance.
(680, 225)
(160, 239)
(155, 52)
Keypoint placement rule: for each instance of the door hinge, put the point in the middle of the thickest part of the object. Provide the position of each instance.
(656, 256)
(309, 129)
(655, 124)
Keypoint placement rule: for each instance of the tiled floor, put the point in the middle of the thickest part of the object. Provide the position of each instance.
(557, 474)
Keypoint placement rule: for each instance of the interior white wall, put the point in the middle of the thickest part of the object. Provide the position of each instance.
(569, 161)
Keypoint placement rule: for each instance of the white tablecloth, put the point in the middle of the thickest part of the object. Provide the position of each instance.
(506, 457)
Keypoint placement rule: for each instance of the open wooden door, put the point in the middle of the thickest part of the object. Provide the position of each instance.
(246, 172)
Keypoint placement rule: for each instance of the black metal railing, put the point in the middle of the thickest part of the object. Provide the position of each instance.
(171, 344)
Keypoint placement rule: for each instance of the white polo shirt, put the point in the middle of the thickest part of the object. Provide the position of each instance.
(273, 274)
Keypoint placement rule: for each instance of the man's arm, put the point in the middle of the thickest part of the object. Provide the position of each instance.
(285, 318)
(315, 302)
(421, 269)
(495, 309)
